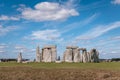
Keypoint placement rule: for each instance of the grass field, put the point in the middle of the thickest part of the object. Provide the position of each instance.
(59, 71)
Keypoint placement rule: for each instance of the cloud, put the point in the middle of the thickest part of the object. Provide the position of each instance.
(98, 31)
(115, 2)
(2, 51)
(45, 35)
(5, 30)
(115, 38)
(3, 46)
(19, 47)
(82, 23)
(23, 49)
(4, 18)
(48, 11)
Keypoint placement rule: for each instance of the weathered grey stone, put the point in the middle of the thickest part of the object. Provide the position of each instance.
(68, 55)
(76, 55)
(72, 54)
(94, 55)
(85, 57)
(88, 56)
(71, 47)
(81, 57)
(49, 53)
(54, 54)
(49, 46)
(19, 60)
(38, 55)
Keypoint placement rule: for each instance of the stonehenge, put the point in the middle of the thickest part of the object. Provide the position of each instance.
(76, 54)
(72, 54)
(19, 59)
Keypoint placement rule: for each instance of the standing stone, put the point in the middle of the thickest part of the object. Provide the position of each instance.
(89, 56)
(38, 56)
(94, 55)
(19, 60)
(54, 54)
(68, 55)
(49, 53)
(85, 58)
(76, 55)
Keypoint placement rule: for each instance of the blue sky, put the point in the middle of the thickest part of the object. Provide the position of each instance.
(25, 24)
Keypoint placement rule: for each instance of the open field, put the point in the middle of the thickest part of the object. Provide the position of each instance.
(60, 71)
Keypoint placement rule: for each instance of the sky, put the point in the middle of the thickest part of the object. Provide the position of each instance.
(26, 24)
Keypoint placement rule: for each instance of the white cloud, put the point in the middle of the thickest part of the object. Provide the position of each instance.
(107, 46)
(2, 51)
(4, 17)
(19, 47)
(115, 2)
(45, 35)
(98, 31)
(115, 38)
(3, 46)
(48, 11)
(82, 23)
(5, 30)
(23, 49)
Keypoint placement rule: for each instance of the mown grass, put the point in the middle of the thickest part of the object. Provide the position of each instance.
(111, 65)
(59, 71)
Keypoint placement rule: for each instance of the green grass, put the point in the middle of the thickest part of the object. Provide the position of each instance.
(59, 71)
(110, 65)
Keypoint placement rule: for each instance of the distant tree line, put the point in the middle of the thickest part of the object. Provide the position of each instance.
(12, 59)
(115, 59)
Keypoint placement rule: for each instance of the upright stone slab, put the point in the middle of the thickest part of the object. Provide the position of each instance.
(85, 58)
(76, 53)
(94, 55)
(19, 60)
(49, 53)
(68, 55)
(38, 55)
(54, 54)
(71, 47)
(89, 56)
